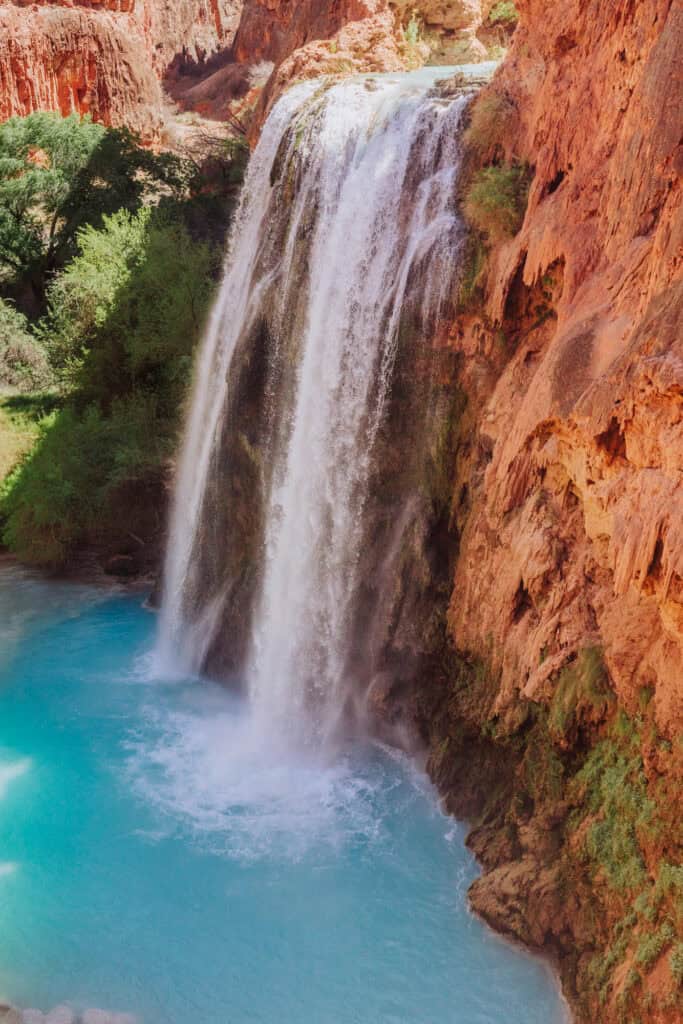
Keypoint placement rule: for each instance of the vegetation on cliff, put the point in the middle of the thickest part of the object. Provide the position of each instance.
(579, 844)
(117, 251)
(549, 724)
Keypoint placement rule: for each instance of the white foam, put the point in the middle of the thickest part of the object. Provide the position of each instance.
(211, 768)
(7, 868)
(10, 772)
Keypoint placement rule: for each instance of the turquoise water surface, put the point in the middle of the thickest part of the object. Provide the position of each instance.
(154, 859)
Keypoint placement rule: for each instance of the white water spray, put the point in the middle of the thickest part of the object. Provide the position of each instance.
(348, 216)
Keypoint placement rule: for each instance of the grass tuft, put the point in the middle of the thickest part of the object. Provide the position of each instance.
(495, 201)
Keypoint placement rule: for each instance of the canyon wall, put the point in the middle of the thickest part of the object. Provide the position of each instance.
(555, 713)
(105, 59)
(111, 58)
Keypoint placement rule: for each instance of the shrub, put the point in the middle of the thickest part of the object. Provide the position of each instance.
(582, 683)
(495, 201)
(23, 362)
(123, 321)
(126, 312)
(490, 114)
(471, 271)
(651, 946)
(60, 491)
(503, 13)
(676, 963)
(58, 174)
(612, 786)
(412, 31)
(415, 48)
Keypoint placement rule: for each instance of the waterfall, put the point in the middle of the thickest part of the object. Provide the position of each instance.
(345, 248)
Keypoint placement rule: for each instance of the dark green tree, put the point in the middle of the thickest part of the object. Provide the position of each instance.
(59, 174)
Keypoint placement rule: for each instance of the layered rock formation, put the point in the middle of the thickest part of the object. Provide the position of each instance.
(109, 58)
(454, 25)
(105, 59)
(555, 716)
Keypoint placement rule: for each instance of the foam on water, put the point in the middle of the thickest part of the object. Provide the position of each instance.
(10, 772)
(175, 867)
(207, 766)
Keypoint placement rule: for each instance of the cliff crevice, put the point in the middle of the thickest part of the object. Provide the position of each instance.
(562, 681)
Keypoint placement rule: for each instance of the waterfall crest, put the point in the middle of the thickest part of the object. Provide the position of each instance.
(341, 267)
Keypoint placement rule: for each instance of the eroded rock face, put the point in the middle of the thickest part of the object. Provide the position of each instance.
(565, 697)
(108, 58)
(105, 59)
(580, 504)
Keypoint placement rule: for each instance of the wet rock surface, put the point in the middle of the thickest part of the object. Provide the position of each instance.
(556, 708)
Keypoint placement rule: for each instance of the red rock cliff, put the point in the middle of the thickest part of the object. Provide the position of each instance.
(567, 605)
(581, 504)
(104, 58)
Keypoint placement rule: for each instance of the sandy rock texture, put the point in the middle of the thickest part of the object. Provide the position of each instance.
(117, 59)
(576, 528)
(105, 59)
(455, 23)
(559, 727)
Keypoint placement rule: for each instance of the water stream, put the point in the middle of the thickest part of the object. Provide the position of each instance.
(193, 853)
(348, 233)
(157, 861)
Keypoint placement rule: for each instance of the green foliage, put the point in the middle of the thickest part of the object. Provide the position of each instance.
(581, 683)
(125, 313)
(415, 47)
(412, 31)
(503, 13)
(632, 980)
(23, 363)
(651, 945)
(440, 464)
(81, 300)
(58, 493)
(543, 769)
(611, 785)
(601, 966)
(496, 52)
(58, 174)
(471, 273)
(676, 963)
(490, 114)
(20, 416)
(495, 201)
(122, 323)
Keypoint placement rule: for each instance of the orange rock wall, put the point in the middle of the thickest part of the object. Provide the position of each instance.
(273, 29)
(105, 59)
(575, 534)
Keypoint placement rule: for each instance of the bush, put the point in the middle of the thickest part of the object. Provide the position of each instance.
(495, 201)
(503, 13)
(58, 174)
(60, 491)
(581, 684)
(414, 46)
(123, 321)
(651, 946)
(676, 963)
(612, 786)
(490, 115)
(23, 363)
(127, 312)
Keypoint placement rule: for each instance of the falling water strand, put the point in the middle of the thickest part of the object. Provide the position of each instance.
(348, 217)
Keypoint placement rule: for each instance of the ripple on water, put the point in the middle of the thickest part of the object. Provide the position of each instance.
(240, 794)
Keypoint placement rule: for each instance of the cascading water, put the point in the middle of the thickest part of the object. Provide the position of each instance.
(347, 232)
(304, 556)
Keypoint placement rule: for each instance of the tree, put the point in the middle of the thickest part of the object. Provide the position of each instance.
(59, 174)
(23, 363)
